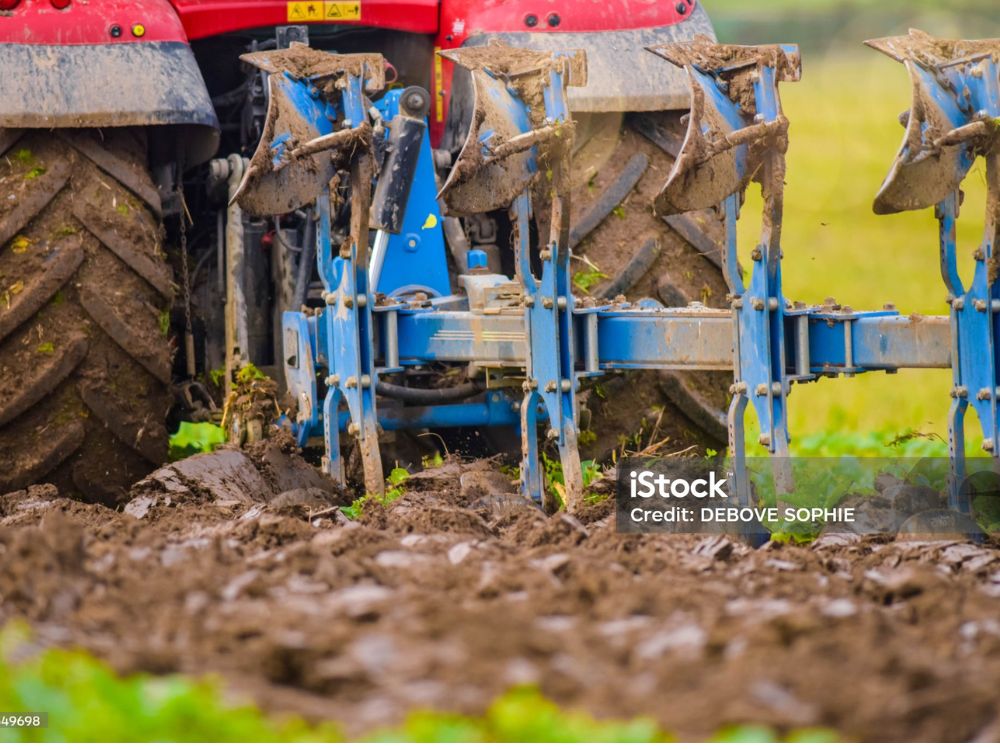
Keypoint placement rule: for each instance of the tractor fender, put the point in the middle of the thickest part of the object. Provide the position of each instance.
(621, 75)
(106, 63)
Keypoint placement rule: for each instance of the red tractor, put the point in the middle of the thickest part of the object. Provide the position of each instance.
(124, 128)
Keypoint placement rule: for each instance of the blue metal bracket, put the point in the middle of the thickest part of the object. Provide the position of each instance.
(955, 118)
(309, 137)
(415, 258)
(727, 145)
(515, 163)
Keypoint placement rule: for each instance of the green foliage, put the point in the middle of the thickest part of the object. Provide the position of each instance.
(34, 173)
(522, 715)
(429, 462)
(619, 211)
(46, 347)
(217, 375)
(584, 280)
(249, 374)
(24, 156)
(875, 444)
(555, 482)
(746, 733)
(164, 321)
(87, 702)
(393, 491)
(195, 437)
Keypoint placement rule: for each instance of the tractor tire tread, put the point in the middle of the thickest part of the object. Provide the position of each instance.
(85, 365)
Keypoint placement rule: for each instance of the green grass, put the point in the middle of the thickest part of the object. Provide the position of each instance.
(844, 135)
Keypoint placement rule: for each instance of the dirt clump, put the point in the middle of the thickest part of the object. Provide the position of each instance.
(444, 598)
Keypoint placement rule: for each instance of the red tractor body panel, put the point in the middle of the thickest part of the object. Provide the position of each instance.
(204, 18)
(95, 22)
(521, 20)
(461, 19)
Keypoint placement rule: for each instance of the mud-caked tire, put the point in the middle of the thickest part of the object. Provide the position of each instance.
(85, 294)
(620, 162)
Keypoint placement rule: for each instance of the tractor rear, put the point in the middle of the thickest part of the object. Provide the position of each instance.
(129, 276)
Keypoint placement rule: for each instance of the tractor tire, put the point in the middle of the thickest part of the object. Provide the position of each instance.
(621, 161)
(85, 295)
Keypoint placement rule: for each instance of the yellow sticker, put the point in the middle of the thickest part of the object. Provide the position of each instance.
(430, 222)
(331, 10)
(302, 12)
(342, 11)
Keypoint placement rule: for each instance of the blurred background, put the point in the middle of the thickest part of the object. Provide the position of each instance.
(844, 135)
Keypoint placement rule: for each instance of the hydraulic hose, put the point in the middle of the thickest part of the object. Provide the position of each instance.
(428, 396)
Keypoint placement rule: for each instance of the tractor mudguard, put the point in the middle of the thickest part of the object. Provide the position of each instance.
(621, 75)
(104, 64)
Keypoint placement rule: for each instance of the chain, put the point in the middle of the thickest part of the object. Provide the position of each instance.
(186, 281)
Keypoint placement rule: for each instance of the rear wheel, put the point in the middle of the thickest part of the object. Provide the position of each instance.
(85, 293)
(621, 248)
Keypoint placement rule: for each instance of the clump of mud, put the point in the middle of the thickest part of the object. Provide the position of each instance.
(244, 564)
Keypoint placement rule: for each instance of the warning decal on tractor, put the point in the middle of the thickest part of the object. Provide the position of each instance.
(331, 10)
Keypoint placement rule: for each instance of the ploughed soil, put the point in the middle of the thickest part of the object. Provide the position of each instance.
(242, 565)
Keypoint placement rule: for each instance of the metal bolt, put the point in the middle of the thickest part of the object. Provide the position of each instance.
(330, 298)
(566, 386)
(776, 388)
(348, 302)
(889, 306)
(764, 439)
(983, 394)
(561, 303)
(739, 387)
(756, 254)
(757, 302)
(351, 382)
(333, 380)
(958, 303)
(960, 392)
(353, 428)
(738, 303)
(545, 255)
(528, 300)
(366, 380)
(988, 445)
(362, 300)
(772, 303)
(552, 433)
(761, 389)
(547, 303)
(550, 387)
(978, 254)
(980, 305)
